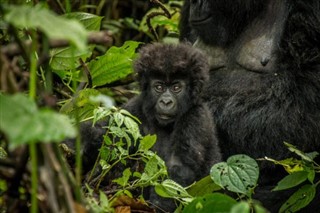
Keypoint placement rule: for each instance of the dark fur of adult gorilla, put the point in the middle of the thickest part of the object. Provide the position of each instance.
(264, 88)
(172, 79)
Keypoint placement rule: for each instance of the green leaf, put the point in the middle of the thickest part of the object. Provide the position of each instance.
(258, 208)
(123, 181)
(81, 105)
(242, 207)
(132, 127)
(114, 65)
(118, 118)
(67, 58)
(292, 180)
(90, 21)
(211, 203)
(147, 142)
(37, 17)
(303, 155)
(299, 199)
(203, 187)
(3, 153)
(170, 189)
(154, 168)
(23, 123)
(239, 174)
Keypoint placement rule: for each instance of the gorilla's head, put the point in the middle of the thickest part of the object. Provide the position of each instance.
(219, 22)
(172, 78)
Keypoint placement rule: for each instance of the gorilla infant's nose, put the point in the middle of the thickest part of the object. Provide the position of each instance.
(166, 102)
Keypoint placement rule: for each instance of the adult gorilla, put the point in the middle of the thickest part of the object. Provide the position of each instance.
(265, 78)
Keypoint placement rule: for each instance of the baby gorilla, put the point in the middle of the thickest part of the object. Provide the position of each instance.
(172, 79)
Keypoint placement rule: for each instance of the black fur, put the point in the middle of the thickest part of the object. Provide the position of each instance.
(262, 94)
(188, 144)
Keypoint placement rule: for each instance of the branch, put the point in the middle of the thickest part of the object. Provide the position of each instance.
(102, 37)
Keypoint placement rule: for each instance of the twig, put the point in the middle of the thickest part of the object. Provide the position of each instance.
(165, 13)
(102, 37)
(87, 72)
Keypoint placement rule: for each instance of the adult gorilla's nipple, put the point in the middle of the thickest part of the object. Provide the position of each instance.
(264, 61)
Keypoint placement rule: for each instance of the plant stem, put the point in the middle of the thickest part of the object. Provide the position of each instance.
(32, 145)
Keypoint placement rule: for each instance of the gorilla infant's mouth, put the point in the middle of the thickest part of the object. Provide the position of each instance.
(165, 116)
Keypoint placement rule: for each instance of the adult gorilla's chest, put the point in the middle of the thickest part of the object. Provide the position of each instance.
(251, 94)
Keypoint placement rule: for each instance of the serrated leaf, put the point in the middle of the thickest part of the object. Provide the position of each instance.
(23, 123)
(37, 17)
(132, 127)
(147, 142)
(299, 199)
(118, 118)
(123, 181)
(154, 168)
(114, 65)
(239, 174)
(81, 105)
(291, 180)
(294, 149)
(211, 203)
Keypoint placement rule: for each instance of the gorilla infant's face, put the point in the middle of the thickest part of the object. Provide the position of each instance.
(168, 99)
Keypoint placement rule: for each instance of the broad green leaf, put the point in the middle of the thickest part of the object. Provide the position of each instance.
(299, 199)
(67, 58)
(147, 142)
(243, 207)
(203, 187)
(23, 123)
(114, 65)
(170, 189)
(211, 203)
(54, 27)
(90, 21)
(239, 174)
(292, 180)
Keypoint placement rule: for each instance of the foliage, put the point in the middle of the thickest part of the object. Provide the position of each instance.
(70, 79)
(23, 123)
(302, 172)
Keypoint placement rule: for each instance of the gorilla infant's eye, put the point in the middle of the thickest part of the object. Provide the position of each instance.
(159, 88)
(176, 88)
